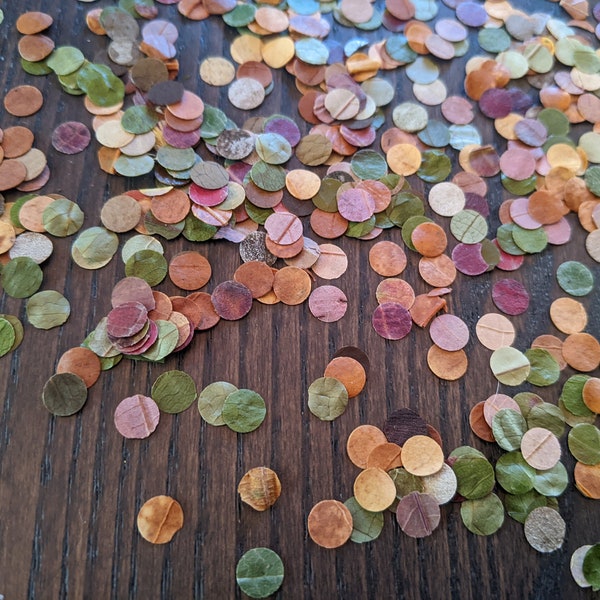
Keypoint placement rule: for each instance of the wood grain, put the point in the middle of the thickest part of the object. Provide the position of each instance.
(70, 488)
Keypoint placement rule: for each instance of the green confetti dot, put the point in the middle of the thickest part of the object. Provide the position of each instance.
(174, 391)
(406, 482)
(259, 572)
(35, 68)
(518, 187)
(518, 506)
(509, 366)
(65, 60)
(584, 443)
(18, 329)
(398, 49)
(366, 525)
(270, 178)
(176, 159)
(410, 117)
(211, 401)
(62, 218)
(544, 369)
(148, 265)
(591, 567)
(552, 482)
(483, 516)
(325, 198)
(240, 16)
(196, 230)
(436, 134)
(556, 121)
(134, 166)
(506, 241)
(435, 166)
(508, 427)
(526, 401)
(140, 242)
(16, 208)
(168, 338)
(243, 410)
(493, 40)
(7, 336)
(169, 231)
(94, 247)
(547, 416)
(474, 475)
(214, 122)
(572, 395)
(403, 206)
(64, 394)
(21, 277)
(359, 230)
(312, 51)
(99, 343)
(48, 309)
(514, 474)
(139, 119)
(273, 148)
(101, 85)
(422, 70)
(530, 241)
(368, 164)
(575, 278)
(258, 215)
(327, 398)
(469, 226)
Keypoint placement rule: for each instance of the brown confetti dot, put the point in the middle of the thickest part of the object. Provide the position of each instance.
(447, 365)
(361, 443)
(581, 351)
(81, 362)
(257, 276)
(231, 300)
(374, 489)
(422, 455)
(292, 285)
(387, 259)
(386, 456)
(350, 372)
(190, 270)
(159, 519)
(259, 488)
(23, 101)
(330, 524)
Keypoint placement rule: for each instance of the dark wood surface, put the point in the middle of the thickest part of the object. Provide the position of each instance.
(70, 488)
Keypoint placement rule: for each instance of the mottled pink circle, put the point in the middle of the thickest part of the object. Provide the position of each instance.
(508, 262)
(468, 259)
(449, 332)
(356, 205)
(558, 233)
(136, 417)
(71, 137)
(495, 103)
(328, 303)
(392, 321)
(510, 296)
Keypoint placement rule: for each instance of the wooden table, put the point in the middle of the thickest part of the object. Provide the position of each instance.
(70, 488)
